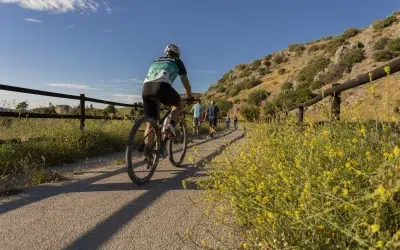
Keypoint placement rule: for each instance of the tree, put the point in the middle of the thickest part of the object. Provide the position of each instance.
(250, 112)
(256, 97)
(224, 106)
(110, 109)
(22, 106)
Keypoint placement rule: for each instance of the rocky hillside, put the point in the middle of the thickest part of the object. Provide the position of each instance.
(295, 74)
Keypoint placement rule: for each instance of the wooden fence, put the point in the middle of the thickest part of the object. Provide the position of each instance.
(82, 101)
(336, 89)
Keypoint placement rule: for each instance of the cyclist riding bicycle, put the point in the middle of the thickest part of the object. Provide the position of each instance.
(157, 88)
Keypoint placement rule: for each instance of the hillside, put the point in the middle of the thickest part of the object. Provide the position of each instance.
(295, 74)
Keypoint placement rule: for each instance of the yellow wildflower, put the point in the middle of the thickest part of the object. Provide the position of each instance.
(345, 192)
(375, 228)
(398, 233)
(265, 200)
(246, 246)
(379, 244)
(372, 89)
(387, 70)
(320, 228)
(380, 191)
(258, 198)
(370, 76)
(363, 131)
(325, 133)
(396, 151)
(261, 186)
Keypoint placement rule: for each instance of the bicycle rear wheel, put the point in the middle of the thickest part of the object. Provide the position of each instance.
(177, 147)
(142, 155)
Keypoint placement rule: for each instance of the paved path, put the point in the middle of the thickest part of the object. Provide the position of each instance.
(102, 208)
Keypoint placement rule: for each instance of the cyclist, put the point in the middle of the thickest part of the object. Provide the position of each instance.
(157, 87)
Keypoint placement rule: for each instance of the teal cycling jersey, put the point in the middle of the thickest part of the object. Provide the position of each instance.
(165, 69)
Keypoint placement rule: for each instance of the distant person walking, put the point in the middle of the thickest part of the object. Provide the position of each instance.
(235, 122)
(197, 110)
(228, 121)
(212, 117)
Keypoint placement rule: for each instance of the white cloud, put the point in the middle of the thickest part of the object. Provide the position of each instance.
(108, 30)
(69, 86)
(134, 80)
(107, 7)
(32, 20)
(59, 5)
(127, 98)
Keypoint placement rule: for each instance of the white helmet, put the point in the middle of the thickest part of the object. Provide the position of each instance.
(172, 48)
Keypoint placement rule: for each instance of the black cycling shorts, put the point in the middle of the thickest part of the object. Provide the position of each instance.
(162, 91)
(213, 122)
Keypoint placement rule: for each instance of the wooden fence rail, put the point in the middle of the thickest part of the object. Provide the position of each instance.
(385, 70)
(82, 101)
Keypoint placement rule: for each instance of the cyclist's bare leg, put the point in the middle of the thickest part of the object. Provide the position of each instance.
(176, 111)
(149, 141)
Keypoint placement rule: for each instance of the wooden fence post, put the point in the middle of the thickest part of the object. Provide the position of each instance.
(336, 104)
(82, 113)
(300, 115)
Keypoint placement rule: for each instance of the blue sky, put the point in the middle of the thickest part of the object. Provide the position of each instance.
(103, 48)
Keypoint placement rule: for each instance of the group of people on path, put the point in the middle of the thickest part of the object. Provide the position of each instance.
(228, 121)
(210, 114)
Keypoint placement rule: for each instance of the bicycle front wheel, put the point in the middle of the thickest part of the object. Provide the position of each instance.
(142, 151)
(177, 147)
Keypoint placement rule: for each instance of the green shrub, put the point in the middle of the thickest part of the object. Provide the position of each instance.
(250, 112)
(316, 187)
(286, 86)
(381, 24)
(326, 38)
(281, 71)
(268, 57)
(267, 63)
(278, 58)
(394, 45)
(234, 90)
(270, 108)
(353, 57)
(334, 73)
(245, 73)
(241, 66)
(256, 97)
(350, 33)
(333, 45)
(263, 71)
(383, 55)
(297, 48)
(224, 106)
(381, 43)
(253, 83)
(359, 45)
(221, 89)
(316, 47)
(307, 74)
(302, 94)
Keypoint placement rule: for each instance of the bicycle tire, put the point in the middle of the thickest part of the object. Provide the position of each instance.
(130, 148)
(177, 163)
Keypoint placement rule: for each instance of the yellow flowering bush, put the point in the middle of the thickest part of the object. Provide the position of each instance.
(331, 186)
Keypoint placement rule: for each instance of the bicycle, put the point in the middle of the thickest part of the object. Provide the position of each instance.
(141, 154)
